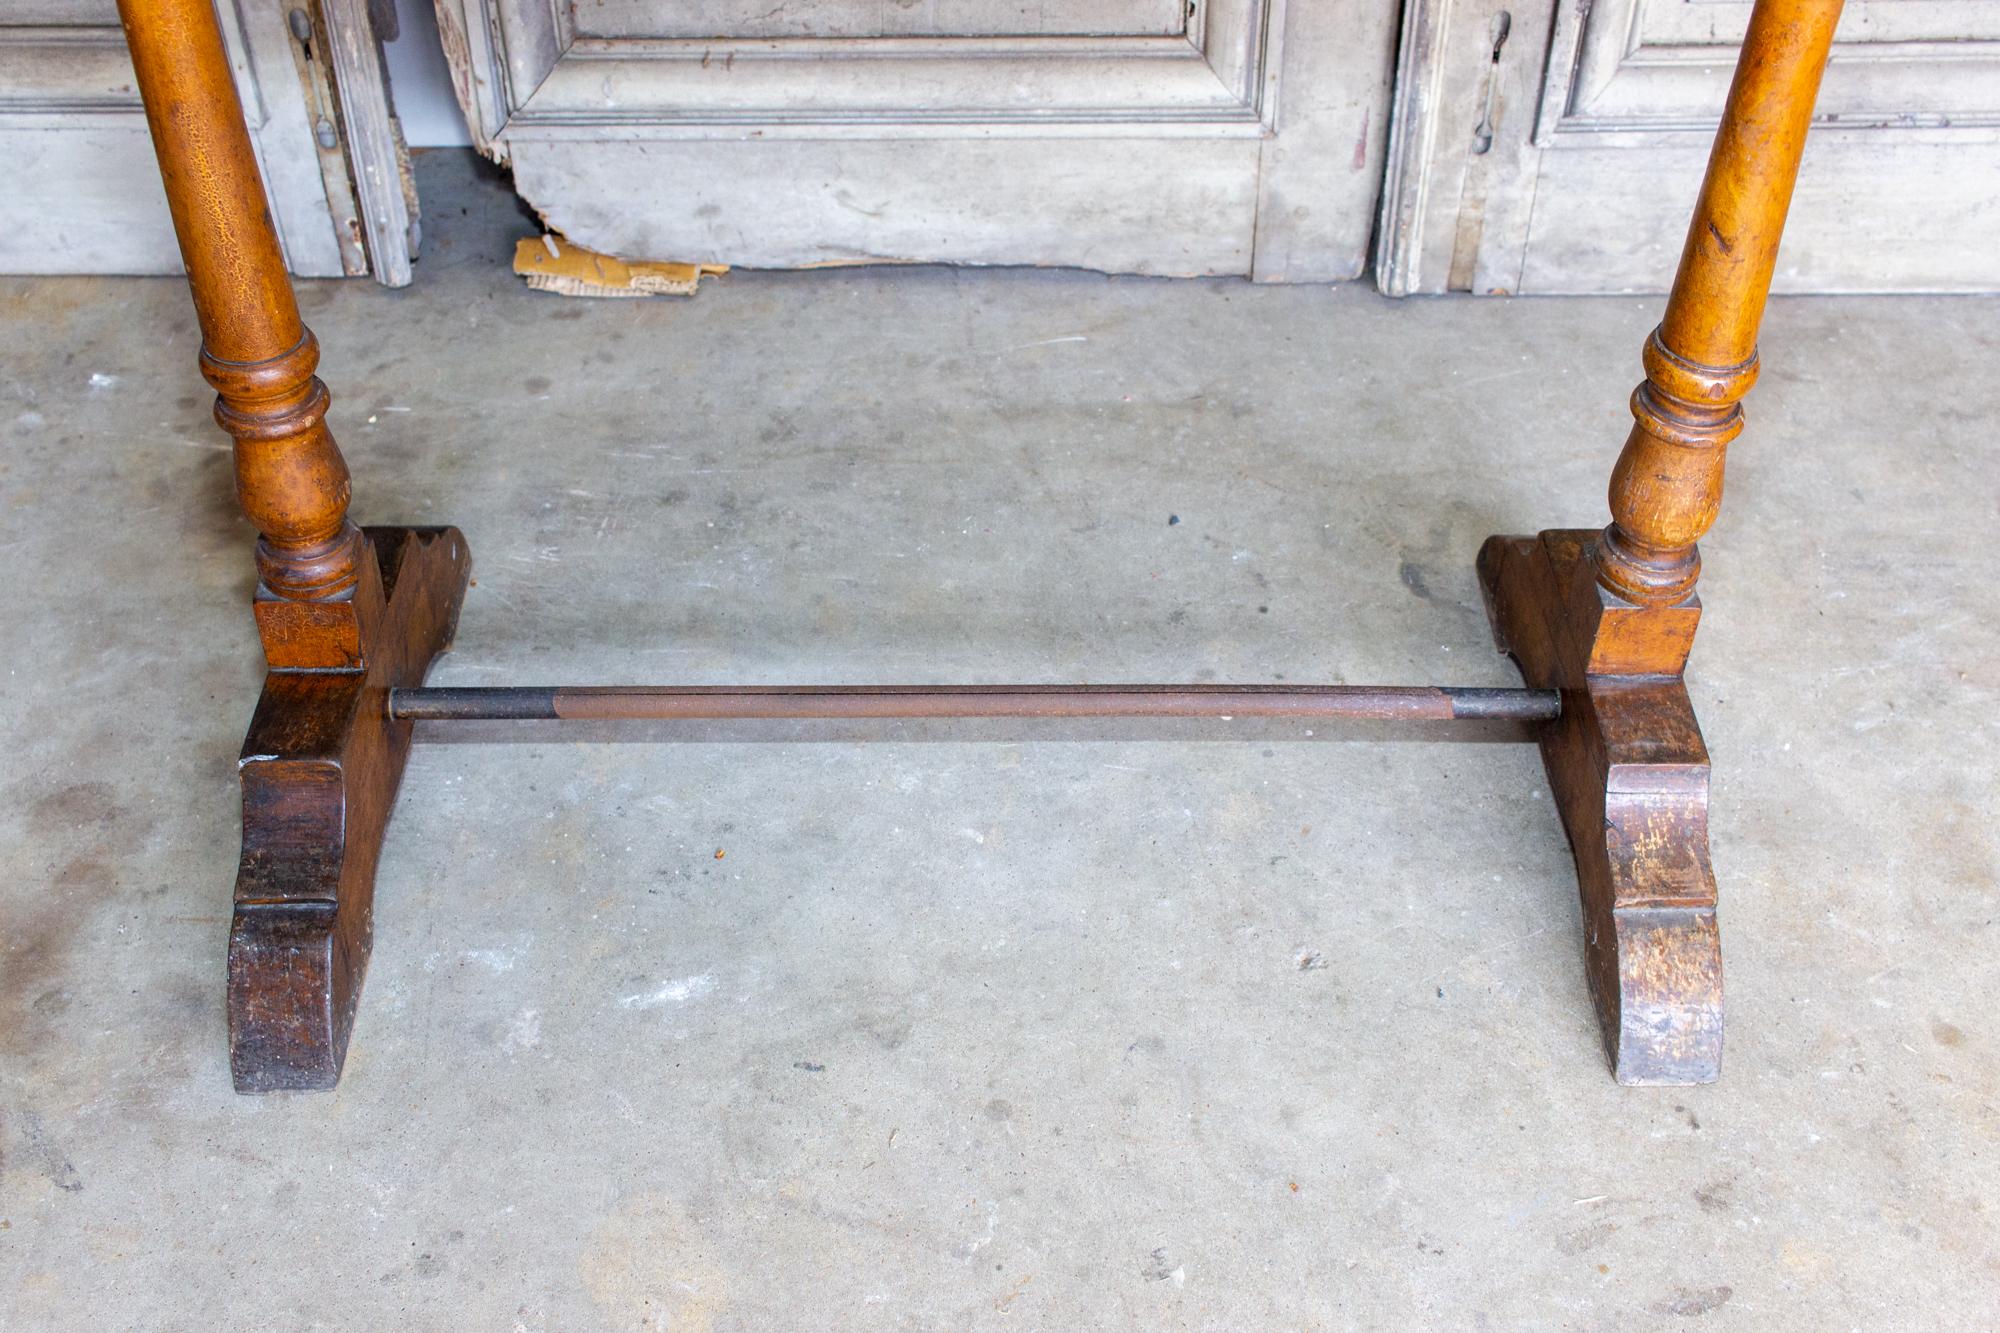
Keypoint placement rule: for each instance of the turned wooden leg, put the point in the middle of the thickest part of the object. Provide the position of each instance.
(343, 616)
(1608, 618)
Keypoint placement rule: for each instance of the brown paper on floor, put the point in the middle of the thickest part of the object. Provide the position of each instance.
(552, 264)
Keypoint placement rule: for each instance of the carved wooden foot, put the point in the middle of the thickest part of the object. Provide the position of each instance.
(1629, 774)
(320, 768)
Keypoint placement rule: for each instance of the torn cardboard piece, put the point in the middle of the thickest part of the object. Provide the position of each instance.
(551, 264)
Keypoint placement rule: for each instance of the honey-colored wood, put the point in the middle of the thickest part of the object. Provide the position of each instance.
(1702, 359)
(290, 477)
(344, 616)
(1608, 618)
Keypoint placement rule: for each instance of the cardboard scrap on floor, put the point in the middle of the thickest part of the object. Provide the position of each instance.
(552, 264)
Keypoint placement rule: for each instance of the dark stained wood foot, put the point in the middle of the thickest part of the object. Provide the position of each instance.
(1629, 774)
(320, 767)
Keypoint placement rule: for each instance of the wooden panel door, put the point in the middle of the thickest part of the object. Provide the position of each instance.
(1155, 136)
(1556, 147)
(81, 191)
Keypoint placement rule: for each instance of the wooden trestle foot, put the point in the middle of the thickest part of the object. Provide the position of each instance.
(320, 767)
(1629, 774)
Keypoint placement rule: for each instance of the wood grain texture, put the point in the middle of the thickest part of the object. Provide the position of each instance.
(1608, 618)
(320, 768)
(344, 616)
(214, 188)
(1629, 774)
(1732, 243)
(1667, 485)
(290, 478)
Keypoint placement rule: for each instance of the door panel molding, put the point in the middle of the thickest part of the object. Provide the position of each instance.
(704, 19)
(76, 69)
(1212, 80)
(82, 190)
(1619, 65)
(65, 70)
(1595, 120)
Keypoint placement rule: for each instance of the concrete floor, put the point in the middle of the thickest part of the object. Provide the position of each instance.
(961, 1033)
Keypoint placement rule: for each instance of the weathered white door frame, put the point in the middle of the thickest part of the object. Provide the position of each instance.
(82, 194)
(377, 166)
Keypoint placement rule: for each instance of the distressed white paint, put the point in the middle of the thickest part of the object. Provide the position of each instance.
(377, 165)
(782, 204)
(1233, 136)
(82, 191)
(1601, 115)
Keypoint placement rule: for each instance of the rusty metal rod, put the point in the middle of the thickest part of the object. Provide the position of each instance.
(1421, 703)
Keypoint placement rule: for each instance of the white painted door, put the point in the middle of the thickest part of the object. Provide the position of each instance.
(81, 192)
(1557, 147)
(1152, 136)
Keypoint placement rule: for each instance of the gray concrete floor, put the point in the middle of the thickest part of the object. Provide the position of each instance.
(974, 1033)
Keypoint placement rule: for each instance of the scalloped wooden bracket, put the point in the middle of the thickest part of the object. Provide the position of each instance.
(1629, 774)
(320, 767)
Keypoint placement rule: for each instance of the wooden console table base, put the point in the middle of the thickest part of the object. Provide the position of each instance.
(1600, 623)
